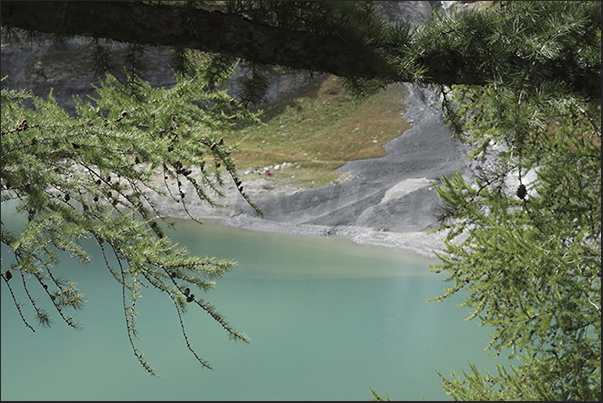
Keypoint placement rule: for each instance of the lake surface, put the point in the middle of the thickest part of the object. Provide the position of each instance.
(328, 320)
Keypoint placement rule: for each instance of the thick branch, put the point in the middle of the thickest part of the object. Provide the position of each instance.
(210, 31)
(232, 34)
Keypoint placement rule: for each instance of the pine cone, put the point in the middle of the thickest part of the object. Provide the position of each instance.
(521, 191)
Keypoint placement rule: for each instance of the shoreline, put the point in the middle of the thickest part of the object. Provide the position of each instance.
(426, 244)
(236, 213)
(422, 243)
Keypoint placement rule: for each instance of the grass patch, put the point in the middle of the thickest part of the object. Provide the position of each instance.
(317, 130)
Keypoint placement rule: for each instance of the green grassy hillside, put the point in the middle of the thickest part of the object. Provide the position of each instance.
(317, 130)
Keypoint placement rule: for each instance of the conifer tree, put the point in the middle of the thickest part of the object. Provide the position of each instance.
(524, 240)
(89, 176)
(520, 81)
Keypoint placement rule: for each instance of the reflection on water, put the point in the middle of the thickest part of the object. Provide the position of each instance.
(328, 320)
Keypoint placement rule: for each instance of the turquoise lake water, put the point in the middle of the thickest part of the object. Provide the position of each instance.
(328, 320)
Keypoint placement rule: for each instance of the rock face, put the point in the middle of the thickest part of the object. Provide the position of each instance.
(416, 12)
(65, 69)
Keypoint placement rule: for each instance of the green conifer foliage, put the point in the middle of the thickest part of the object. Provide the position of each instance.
(89, 176)
(524, 238)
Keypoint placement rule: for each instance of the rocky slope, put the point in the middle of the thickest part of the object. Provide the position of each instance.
(387, 201)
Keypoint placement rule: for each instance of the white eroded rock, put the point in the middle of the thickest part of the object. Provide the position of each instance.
(404, 187)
